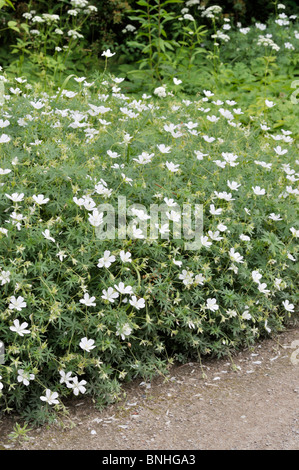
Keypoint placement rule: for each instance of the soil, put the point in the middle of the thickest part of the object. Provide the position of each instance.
(248, 403)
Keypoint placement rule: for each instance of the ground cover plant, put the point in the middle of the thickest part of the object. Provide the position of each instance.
(82, 312)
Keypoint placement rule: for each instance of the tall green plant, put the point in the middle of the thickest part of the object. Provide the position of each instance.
(151, 37)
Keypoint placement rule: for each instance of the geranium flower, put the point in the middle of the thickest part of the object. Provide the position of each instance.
(17, 304)
(212, 305)
(87, 344)
(20, 329)
(88, 301)
(50, 397)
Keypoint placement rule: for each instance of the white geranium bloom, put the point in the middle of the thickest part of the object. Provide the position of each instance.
(246, 315)
(65, 378)
(96, 219)
(186, 277)
(256, 276)
(108, 53)
(107, 260)
(4, 277)
(17, 304)
(258, 190)
(88, 301)
(110, 294)
(25, 377)
(294, 232)
(172, 166)
(125, 256)
(140, 303)
(288, 306)
(40, 199)
(122, 289)
(50, 397)
(269, 103)
(87, 344)
(262, 288)
(47, 235)
(212, 305)
(15, 197)
(20, 328)
(235, 256)
(4, 139)
(214, 211)
(123, 330)
(78, 387)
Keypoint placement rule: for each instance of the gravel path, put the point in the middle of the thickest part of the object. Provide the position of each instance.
(251, 404)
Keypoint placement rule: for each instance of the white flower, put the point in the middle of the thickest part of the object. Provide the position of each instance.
(266, 327)
(96, 219)
(258, 190)
(137, 232)
(4, 139)
(176, 81)
(256, 276)
(200, 155)
(222, 227)
(186, 277)
(233, 185)
(123, 289)
(61, 254)
(40, 199)
(4, 277)
(235, 256)
(244, 238)
(78, 387)
(246, 315)
(212, 305)
(4, 171)
(215, 235)
(163, 148)
(113, 154)
(108, 53)
(46, 234)
(288, 306)
(17, 304)
(88, 301)
(177, 262)
(160, 91)
(274, 216)
(262, 288)
(50, 397)
(204, 241)
(214, 211)
(107, 260)
(279, 150)
(199, 279)
(110, 294)
(20, 329)
(125, 257)
(87, 344)
(66, 378)
(294, 232)
(123, 331)
(25, 377)
(172, 166)
(269, 104)
(140, 303)
(15, 197)
(173, 215)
